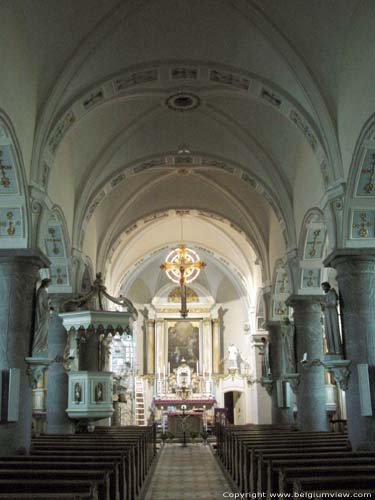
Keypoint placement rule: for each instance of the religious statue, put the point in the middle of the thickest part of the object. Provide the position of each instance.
(232, 357)
(265, 353)
(99, 392)
(42, 316)
(331, 319)
(287, 334)
(77, 392)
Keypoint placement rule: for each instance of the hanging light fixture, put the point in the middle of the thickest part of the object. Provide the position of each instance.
(182, 266)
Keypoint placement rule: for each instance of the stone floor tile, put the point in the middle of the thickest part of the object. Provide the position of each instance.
(190, 473)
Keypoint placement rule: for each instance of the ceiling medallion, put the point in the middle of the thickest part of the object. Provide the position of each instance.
(183, 101)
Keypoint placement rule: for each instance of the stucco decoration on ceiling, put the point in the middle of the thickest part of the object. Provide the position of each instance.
(229, 268)
(108, 251)
(214, 80)
(13, 203)
(183, 101)
(169, 162)
(56, 249)
(360, 193)
(281, 291)
(313, 249)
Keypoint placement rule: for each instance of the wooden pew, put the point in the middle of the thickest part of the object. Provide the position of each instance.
(347, 484)
(268, 463)
(127, 478)
(288, 476)
(99, 478)
(85, 488)
(243, 462)
(57, 468)
(92, 463)
(241, 445)
(134, 446)
(291, 448)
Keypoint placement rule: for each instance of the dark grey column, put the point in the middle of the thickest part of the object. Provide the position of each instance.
(280, 415)
(311, 397)
(18, 277)
(57, 378)
(356, 279)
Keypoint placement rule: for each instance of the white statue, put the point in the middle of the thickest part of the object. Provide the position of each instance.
(232, 356)
(331, 319)
(42, 316)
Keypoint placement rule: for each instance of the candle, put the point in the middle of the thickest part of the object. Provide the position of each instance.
(197, 367)
(169, 368)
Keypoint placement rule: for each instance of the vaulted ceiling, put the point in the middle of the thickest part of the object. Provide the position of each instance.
(258, 92)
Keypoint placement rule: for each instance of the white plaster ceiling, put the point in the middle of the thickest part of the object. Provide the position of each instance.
(310, 58)
(139, 254)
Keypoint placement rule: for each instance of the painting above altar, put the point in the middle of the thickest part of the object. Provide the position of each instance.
(183, 343)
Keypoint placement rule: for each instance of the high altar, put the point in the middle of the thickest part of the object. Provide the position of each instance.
(183, 369)
(186, 363)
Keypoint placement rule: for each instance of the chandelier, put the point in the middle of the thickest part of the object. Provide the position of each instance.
(182, 265)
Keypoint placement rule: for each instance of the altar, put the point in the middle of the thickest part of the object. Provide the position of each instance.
(188, 422)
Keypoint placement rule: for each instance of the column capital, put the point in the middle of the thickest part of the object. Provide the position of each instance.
(304, 301)
(32, 256)
(343, 255)
(273, 324)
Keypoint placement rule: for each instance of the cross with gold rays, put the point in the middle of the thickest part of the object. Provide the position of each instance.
(184, 268)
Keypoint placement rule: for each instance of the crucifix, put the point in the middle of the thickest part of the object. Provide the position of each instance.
(314, 243)
(182, 266)
(363, 225)
(369, 186)
(52, 232)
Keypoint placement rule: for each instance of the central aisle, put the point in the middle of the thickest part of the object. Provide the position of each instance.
(187, 473)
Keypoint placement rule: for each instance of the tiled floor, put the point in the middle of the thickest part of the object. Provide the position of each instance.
(187, 473)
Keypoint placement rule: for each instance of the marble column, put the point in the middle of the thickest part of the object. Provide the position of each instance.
(280, 413)
(160, 343)
(311, 398)
(216, 354)
(57, 378)
(356, 280)
(18, 277)
(207, 346)
(150, 346)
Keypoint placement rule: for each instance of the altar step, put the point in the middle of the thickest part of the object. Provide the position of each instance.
(139, 403)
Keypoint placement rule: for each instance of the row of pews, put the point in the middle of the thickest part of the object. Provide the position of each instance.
(108, 464)
(273, 460)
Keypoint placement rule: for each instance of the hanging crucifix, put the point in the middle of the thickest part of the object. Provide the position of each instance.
(182, 266)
